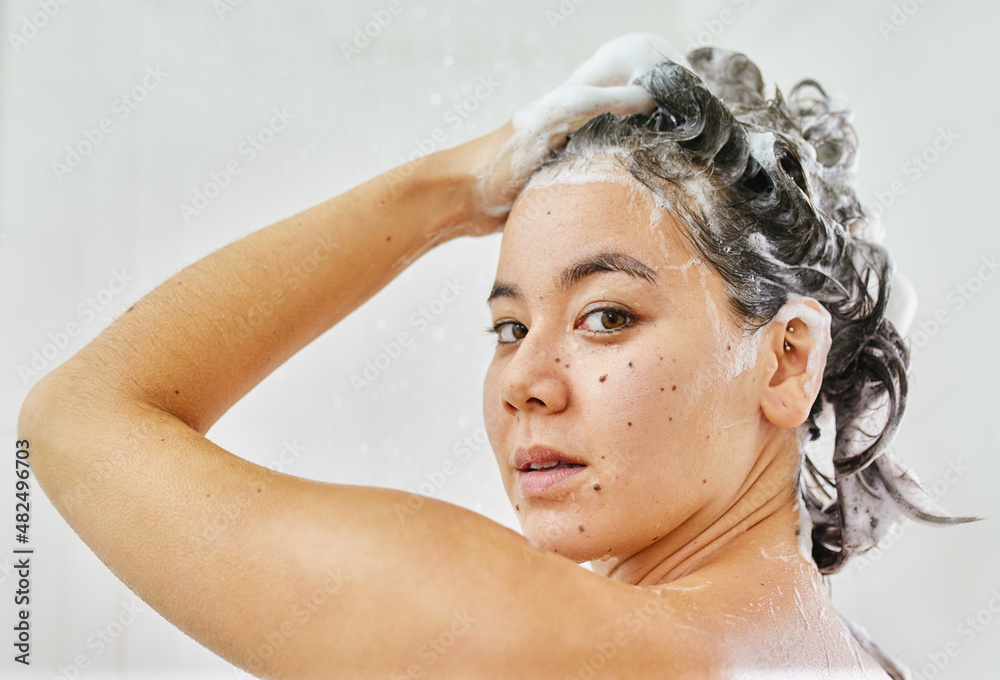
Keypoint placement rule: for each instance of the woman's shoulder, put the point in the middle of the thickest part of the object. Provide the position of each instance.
(772, 621)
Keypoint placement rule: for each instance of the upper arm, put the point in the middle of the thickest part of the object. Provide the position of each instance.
(288, 577)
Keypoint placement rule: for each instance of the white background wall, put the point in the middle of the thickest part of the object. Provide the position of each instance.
(63, 238)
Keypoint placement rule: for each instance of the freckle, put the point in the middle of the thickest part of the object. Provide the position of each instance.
(557, 360)
(208, 495)
(661, 389)
(566, 365)
(597, 487)
(674, 360)
(258, 490)
(661, 358)
(708, 436)
(603, 377)
(670, 418)
(602, 457)
(163, 440)
(704, 481)
(549, 212)
(388, 238)
(580, 528)
(728, 346)
(630, 424)
(177, 391)
(674, 388)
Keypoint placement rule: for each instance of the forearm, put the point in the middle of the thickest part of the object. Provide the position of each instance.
(201, 340)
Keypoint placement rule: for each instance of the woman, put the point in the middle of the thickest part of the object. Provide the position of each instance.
(684, 303)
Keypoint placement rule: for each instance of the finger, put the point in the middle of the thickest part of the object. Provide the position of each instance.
(619, 61)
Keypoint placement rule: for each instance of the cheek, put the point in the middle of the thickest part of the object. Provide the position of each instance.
(657, 414)
(493, 408)
(632, 398)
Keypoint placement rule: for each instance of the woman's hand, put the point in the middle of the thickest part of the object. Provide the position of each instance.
(501, 162)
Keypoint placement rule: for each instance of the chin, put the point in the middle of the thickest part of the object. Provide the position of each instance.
(562, 535)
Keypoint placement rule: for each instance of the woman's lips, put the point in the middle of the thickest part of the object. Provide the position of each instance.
(535, 483)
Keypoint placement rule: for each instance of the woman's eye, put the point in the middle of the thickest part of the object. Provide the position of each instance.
(605, 320)
(508, 331)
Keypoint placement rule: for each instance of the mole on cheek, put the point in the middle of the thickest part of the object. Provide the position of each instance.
(630, 423)
(630, 364)
(603, 377)
(557, 360)
(597, 487)
(580, 528)
(517, 507)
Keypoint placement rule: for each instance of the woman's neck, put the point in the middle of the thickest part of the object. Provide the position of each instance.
(764, 516)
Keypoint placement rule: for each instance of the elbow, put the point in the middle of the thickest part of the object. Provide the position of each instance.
(34, 409)
(51, 423)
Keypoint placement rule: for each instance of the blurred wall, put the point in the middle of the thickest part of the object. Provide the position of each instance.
(167, 94)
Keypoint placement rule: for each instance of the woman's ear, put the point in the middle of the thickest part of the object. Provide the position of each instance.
(798, 340)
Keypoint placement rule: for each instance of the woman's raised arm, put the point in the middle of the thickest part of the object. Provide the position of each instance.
(283, 576)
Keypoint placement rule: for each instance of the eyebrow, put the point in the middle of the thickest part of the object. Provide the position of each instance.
(596, 264)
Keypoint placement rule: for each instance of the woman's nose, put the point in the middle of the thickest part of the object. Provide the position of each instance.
(535, 379)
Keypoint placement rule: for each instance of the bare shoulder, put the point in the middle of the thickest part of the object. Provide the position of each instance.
(769, 619)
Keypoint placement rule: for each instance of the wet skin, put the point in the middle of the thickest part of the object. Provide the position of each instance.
(685, 423)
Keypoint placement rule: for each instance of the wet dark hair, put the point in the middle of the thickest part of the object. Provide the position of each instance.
(766, 190)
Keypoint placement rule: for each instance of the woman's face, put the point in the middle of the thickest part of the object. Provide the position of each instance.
(618, 361)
